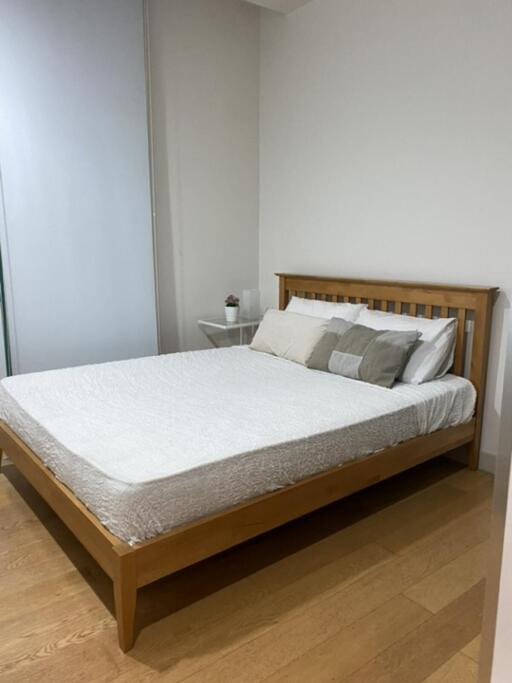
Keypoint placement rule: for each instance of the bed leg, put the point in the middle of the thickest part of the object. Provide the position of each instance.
(1, 454)
(473, 452)
(125, 595)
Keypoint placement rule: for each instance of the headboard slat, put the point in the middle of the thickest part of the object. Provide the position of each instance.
(458, 366)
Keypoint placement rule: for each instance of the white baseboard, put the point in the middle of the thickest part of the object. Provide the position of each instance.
(487, 462)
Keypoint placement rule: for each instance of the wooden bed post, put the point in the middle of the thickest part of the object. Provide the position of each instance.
(283, 299)
(125, 594)
(479, 365)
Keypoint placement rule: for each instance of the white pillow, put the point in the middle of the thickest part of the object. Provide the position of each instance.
(289, 335)
(324, 309)
(433, 355)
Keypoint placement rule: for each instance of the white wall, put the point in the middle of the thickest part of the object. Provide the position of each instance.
(495, 655)
(76, 238)
(283, 6)
(204, 65)
(386, 147)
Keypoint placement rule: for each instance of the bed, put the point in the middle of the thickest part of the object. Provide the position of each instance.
(153, 473)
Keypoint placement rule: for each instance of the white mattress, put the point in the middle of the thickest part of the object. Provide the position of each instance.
(153, 443)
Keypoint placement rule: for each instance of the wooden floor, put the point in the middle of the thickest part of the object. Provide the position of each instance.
(384, 586)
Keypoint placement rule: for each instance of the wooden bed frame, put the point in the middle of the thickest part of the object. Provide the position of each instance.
(131, 567)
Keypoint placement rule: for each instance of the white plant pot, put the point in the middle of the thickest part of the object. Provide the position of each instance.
(231, 313)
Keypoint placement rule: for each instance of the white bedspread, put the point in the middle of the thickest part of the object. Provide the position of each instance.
(153, 443)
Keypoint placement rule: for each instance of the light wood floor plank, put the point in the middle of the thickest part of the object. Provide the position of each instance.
(472, 649)
(350, 648)
(401, 538)
(70, 632)
(458, 669)
(192, 644)
(321, 597)
(193, 640)
(285, 641)
(468, 480)
(452, 580)
(420, 653)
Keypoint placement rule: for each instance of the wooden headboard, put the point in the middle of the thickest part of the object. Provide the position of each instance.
(472, 306)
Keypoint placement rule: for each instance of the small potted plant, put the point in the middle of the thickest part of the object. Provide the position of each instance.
(231, 308)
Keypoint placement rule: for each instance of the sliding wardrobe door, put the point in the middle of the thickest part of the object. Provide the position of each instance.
(76, 232)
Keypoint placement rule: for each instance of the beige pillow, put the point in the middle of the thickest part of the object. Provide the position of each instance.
(289, 335)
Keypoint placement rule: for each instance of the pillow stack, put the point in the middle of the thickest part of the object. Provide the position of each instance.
(353, 341)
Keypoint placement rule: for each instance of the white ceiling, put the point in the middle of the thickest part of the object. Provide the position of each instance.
(283, 6)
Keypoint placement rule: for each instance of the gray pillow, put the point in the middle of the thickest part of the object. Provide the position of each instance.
(359, 352)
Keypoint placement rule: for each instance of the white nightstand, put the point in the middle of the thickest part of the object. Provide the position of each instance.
(220, 323)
